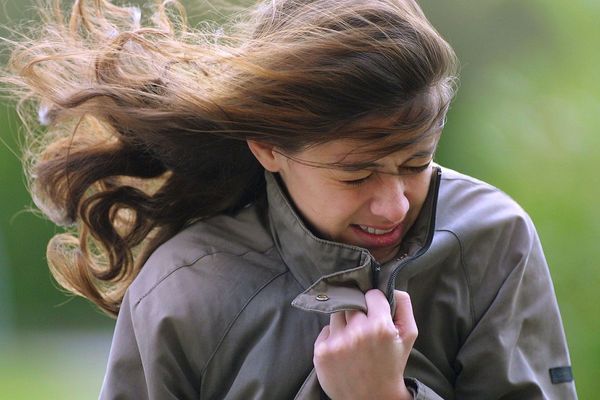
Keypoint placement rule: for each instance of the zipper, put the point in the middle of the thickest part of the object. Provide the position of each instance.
(375, 272)
(404, 258)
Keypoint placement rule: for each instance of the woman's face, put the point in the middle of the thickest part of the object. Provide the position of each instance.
(371, 206)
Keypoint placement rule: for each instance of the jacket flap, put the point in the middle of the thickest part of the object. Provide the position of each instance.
(341, 291)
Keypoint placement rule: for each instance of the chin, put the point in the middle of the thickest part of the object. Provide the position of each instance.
(382, 258)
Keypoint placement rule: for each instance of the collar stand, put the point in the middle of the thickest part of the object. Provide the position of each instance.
(307, 256)
(310, 258)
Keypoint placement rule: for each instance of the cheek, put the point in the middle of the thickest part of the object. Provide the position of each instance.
(316, 199)
(333, 210)
(334, 205)
(418, 192)
(348, 207)
(325, 199)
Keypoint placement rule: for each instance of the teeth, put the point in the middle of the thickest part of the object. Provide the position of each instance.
(374, 231)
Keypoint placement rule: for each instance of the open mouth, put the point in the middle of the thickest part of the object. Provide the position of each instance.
(375, 231)
(370, 237)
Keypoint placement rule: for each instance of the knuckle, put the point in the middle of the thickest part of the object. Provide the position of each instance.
(319, 352)
(327, 350)
(402, 296)
(358, 336)
(384, 330)
(408, 336)
(411, 335)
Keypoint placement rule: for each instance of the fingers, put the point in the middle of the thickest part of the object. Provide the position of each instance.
(404, 318)
(378, 313)
(377, 304)
(323, 335)
(355, 317)
(340, 320)
(380, 324)
(337, 321)
(356, 342)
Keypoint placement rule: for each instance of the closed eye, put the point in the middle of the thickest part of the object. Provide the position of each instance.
(413, 170)
(357, 182)
(403, 170)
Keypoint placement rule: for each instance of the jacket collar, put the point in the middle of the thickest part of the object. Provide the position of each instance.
(309, 257)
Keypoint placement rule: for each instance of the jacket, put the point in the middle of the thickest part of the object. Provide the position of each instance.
(230, 307)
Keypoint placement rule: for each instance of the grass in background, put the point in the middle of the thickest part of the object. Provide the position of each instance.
(53, 365)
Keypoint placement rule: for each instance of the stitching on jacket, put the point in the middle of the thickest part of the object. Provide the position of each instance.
(171, 272)
(233, 321)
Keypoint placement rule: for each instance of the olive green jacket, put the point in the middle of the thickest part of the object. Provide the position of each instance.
(230, 307)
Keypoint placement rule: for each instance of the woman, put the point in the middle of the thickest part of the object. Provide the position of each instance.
(260, 207)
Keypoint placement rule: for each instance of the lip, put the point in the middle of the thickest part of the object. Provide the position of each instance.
(371, 240)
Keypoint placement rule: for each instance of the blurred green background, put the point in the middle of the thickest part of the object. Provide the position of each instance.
(526, 119)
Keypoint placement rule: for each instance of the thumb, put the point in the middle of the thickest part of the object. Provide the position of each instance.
(404, 319)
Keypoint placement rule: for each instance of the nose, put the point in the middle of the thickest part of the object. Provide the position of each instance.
(389, 200)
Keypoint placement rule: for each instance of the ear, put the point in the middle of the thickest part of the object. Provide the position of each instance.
(266, 155)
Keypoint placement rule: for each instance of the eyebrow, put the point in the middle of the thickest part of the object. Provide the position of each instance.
(357, 166)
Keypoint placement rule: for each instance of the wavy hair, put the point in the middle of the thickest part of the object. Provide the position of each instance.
(138, 126)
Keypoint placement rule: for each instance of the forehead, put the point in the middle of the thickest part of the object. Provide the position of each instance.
(376, 136)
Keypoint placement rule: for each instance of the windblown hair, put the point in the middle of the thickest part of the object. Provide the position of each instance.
(138, 126)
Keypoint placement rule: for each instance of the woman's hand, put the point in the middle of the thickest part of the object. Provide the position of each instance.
(363, 356)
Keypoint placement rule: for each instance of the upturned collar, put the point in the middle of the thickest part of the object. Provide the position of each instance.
(307, 256)
(311, 258)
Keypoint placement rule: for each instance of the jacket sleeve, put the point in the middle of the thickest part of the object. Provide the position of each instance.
(146, 360)
(517, 347)
(419, 390)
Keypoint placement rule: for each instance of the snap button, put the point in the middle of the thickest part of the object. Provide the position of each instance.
(322, 297)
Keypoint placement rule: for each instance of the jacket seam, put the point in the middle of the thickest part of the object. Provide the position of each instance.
(177, 268)
(304, 384)
(302, 288)
(465, 274)
(235, 318)
(479, 316)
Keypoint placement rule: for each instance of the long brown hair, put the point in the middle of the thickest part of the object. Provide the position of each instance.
(138, 126)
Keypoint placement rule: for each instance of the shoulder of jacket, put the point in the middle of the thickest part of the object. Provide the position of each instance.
(194, 287)
(454, 180)
(467, 205)
(495, 237)
(216, 253)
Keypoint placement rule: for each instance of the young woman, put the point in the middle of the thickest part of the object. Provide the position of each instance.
(259, 206)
